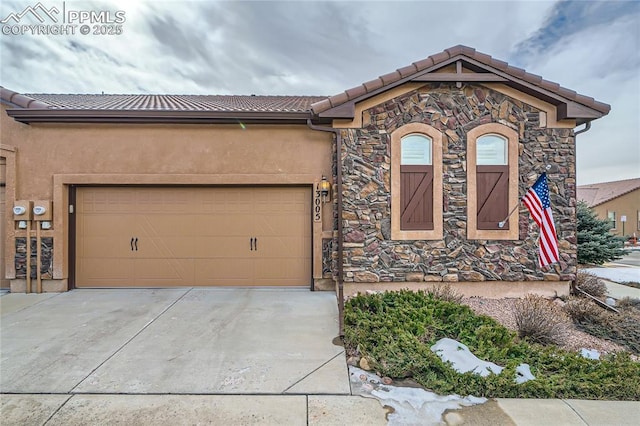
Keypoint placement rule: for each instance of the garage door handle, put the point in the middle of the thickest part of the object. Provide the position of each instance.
(131, 243)
(136, 243)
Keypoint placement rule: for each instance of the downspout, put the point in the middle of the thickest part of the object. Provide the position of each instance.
(339, 202)
(587, 126)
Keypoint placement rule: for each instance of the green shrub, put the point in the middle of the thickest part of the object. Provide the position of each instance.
(596, 245)
(540, 320)
(395, 331)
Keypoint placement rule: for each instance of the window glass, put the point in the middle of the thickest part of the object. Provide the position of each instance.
(612, 219)
(416, 150)
(491, 150)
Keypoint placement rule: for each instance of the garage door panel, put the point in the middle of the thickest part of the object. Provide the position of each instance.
(168, 247)
(153, 225)
(236, 224)
(289, 272)
(102, 224)
(223, 272)
(107, 247)
(164, 272)
(105, 272)
(222, 247)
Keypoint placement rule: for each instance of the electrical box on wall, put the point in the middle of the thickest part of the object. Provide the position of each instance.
(22, 210)
(42, 210)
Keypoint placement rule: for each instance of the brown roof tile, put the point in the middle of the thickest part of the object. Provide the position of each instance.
(20, 100)
(186, 102)
(219, 103)
(404, 74)
(372, 85)
(598, 193)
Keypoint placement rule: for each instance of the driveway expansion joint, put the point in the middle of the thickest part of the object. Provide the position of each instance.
(71, 391)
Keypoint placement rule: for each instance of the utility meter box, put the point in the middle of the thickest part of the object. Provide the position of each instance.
(22, 210)
(42, 210)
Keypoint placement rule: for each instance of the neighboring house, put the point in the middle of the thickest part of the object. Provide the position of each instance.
(422, 164)
(618, 202)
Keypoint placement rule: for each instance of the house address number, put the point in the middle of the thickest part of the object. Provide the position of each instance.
(317, 204)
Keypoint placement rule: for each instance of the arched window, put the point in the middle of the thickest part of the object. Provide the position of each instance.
(492, 174)
(416, 182)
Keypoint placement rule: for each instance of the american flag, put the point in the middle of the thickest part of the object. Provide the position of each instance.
(538, 202)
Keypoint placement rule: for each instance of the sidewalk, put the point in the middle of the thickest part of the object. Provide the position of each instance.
(281, 410)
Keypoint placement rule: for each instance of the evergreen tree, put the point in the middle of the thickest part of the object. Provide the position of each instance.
(596, 245)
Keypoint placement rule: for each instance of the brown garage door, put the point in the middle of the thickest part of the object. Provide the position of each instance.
(161, 237)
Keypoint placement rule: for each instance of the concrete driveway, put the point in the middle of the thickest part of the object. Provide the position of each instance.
(172, 341)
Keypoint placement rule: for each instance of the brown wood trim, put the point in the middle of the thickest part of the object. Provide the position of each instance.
(467, 76)
(140, 116)
(72, 238)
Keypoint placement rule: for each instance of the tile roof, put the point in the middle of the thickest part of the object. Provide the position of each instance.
(599, 193)
(444, 58)
(250, 103)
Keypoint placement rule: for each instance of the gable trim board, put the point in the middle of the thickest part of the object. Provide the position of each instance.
(259, 142)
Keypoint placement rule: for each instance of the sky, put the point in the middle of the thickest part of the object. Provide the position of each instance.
(326, 47)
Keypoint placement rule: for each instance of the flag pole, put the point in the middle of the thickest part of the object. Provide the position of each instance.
(504, 221)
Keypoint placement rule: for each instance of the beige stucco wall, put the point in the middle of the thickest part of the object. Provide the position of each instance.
(626, 205)
(43, 159)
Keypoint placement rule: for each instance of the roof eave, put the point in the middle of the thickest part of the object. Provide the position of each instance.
(567, 109)
(32, 115)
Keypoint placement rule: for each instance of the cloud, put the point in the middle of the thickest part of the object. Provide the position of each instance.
(600, 57)
(325, 47)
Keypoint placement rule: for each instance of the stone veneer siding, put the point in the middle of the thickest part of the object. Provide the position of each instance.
(46, 258)
(369, 253)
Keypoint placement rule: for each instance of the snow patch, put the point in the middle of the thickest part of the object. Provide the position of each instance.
(461, 358)
(523, 374)
(410, 405)
(590, 353)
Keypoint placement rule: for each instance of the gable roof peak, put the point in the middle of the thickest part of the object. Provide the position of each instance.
(570, 104)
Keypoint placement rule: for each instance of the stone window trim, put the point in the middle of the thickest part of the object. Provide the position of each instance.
(473, 233)
(436, 148)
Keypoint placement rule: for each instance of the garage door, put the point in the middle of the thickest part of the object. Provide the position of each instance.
(165, 237)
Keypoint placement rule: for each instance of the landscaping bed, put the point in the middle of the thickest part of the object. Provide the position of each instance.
(394, 332)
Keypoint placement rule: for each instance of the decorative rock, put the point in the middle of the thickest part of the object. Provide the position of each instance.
(414, 276)
(433, 278)
(365, 277)
(354, 237)
(364, 364)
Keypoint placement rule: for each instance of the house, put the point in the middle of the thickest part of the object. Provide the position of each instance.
(399, 182)
(618, 202)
